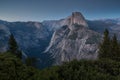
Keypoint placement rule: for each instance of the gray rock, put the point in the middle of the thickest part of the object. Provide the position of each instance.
(74, 40)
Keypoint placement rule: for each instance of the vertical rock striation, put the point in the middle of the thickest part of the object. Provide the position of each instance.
(74, 40)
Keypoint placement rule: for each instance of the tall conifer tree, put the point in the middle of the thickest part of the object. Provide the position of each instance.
(13, 47)
(105, 48)
(115, 50)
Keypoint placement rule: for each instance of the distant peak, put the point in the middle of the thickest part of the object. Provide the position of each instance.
(78, 18)
(76, 14)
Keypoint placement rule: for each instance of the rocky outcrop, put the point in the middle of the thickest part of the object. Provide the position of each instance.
(74, 41)
(75, 18)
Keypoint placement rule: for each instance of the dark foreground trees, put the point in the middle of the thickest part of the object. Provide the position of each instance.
(11, 68)
(105, 50)
(30, 61)
(107, 67)
(104, 69)
(115, 48)
(13, 47)
(110, 47)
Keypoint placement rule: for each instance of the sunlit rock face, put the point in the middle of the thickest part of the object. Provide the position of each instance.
(74, 41)
(75, 18)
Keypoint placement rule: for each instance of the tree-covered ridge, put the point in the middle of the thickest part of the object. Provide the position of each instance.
(104, 69)
(11, 68)
(107, 67)
(110, 47)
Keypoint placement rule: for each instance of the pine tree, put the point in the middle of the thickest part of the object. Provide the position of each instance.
(104, 50)
(13, 47)
(115, 47)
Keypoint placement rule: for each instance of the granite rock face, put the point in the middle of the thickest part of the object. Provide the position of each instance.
(74, 41)
(76, 17)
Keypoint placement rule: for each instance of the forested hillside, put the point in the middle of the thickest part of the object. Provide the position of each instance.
(106, 67)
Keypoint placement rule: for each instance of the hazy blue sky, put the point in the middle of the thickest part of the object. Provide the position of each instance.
(39, 10)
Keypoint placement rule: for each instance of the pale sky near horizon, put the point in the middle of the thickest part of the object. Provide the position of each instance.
(39, 10)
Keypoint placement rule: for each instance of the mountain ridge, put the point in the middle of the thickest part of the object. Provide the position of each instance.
(34, 37)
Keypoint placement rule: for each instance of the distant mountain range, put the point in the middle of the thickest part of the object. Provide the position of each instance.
(56, 41)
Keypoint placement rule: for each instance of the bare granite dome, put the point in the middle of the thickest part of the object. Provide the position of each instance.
(74, 40)
(77, 18)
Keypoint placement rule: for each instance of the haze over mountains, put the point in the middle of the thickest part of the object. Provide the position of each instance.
(60, 40)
